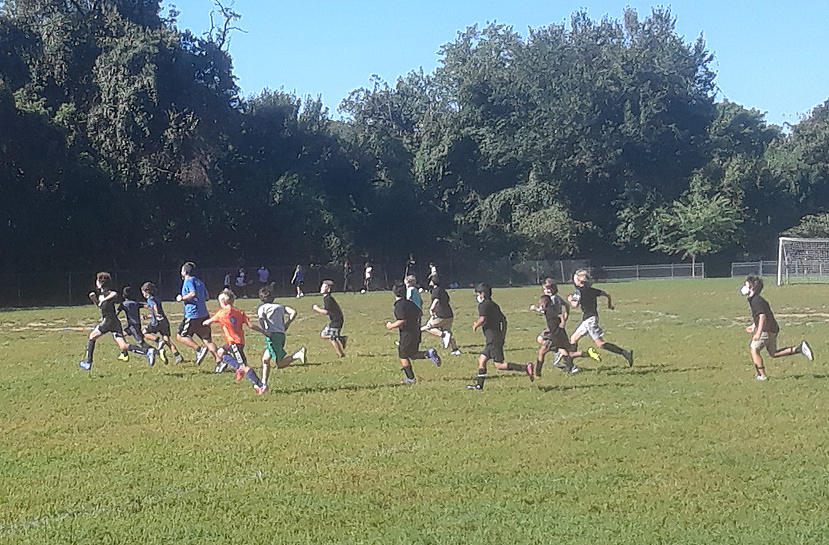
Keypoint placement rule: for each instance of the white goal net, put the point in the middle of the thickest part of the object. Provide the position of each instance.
(802, 260)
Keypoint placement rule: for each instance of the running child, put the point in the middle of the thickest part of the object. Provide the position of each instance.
(412, 293)
(274, 320)
(407, 317)
(158, 330)
(194, 298)
(764, 329)
(233, 352)
(441, 316)
(132, 313)
(336, 320)
(586, 297)
(493, 325)
(105, 298)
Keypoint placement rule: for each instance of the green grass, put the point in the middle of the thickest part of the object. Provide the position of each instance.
(683, 448)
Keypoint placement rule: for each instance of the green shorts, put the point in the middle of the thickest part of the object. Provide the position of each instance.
(275, 343)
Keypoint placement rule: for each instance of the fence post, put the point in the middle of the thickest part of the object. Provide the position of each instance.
(70, 288)
(672, 270)
(637, 272)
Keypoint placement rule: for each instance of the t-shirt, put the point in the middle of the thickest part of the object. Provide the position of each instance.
(108, 309)
(335, 314)
(494, 326)
(759, 306)
(231, 319)
(264, 275)
(411, 315)
(414, 296)
(132, 310)
(442, 309)
(589, 301)
(271, 318)
(551, 316)
(197, 306)
(157, 312)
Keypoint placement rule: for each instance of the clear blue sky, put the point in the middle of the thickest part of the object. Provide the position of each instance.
(768, 54)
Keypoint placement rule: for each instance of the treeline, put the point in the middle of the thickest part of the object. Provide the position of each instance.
(124, 141)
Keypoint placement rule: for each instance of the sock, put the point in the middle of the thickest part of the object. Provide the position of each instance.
(251, 374)
(228, 359)
(137, 349)
(159, 343)
(409, 372)
(480, 378)
(90, 348)
(123, 352)
(610, 347)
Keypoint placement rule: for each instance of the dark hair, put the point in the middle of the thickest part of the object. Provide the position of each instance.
(549, 283)
(104, 278)
(265, 294)
(755, 282)
(149, 287)
(329, 283)
(546, 299)
(435, 279)
(399, 289)
(484, 288)
(126, 293)
(188, 267)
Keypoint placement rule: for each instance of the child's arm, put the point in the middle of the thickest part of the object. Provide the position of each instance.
(395, 324)
(609, 302)
(210, 320)
(478, 323)
(322, 311)
(110, 295)
(93, 296)
(758, 330)
(290, 316)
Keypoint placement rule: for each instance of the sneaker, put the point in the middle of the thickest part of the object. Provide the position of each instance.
(161, 355)
(300, 355)
(220, 367)
(760, 377)
(530, 371)
(628, 355)
(573, 370)
(201, 352)
(151, 356)
(239, 375)
(593, 353)
(85, 365)
(343, 341)
(407, 380)
(474, 387)
(433, 355)
(261, 389)
(806, 350)
(124, 357)
(445, 338)
(179, 357)
(557, 361)
(456, 352)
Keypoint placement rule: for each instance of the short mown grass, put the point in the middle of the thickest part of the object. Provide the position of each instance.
(685, 447)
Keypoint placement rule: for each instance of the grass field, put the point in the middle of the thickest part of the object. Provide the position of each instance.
(685, 447)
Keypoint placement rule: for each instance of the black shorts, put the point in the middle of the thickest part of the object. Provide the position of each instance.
(556, 339)
(161, 328)
(494, 349)
(409, 347)
(108, 325)
(195, 326)
(237, 352)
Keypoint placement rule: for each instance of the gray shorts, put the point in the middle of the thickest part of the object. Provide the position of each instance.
(329, 332)
(767, 340)
(590, 326)
(444, 324)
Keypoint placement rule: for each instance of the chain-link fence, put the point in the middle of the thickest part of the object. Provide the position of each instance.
(71, 288)
(762, 268)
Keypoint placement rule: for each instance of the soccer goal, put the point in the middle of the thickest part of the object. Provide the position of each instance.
(802, 260)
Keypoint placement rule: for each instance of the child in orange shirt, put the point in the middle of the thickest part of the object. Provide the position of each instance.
(233, 352)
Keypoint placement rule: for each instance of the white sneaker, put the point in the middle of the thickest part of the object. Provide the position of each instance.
(300, 355)
(455, 352)
(445, 338)
(760, 377)
(806, 350)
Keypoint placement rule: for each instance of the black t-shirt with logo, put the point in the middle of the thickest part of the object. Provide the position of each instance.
(589, 301)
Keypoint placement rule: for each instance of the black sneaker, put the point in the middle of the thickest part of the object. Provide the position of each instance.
(628, 355)
(344, 341)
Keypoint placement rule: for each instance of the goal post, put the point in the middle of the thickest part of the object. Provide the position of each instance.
(802, 260)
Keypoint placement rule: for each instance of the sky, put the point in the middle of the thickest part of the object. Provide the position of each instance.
(767, 54)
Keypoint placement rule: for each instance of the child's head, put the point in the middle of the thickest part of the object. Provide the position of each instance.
(187, 268)
(544, 301)
(483, 291)
(226, 298)
(103, 280)
(581, 278)
(753, 285)
(434, 280)
(148, 288)
(410, 280)
(549, 287)
(327, 286)
(127, 293)
(265, 294)
(399, 290)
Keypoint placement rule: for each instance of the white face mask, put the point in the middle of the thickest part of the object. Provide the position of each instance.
(479, 297)
(744, 290)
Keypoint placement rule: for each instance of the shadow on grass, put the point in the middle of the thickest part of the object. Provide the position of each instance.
(813, 375)
(341, 388)
(652, 369)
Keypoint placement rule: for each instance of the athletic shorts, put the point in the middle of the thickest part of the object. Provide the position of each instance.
(590, 326)
(135, 332)
(444, 324)
(161, 328)
(195, 326)
(275, 345)
(409, 346)
(767, 341)
(109, 325)
(330, 332)
(494, 350)
(555, 340)
(237, 352)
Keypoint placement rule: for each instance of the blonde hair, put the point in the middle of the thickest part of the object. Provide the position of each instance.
(226, 297)
(410, 280)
